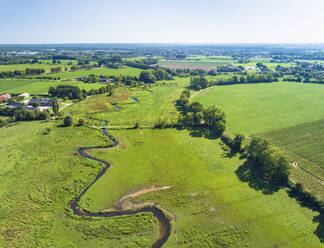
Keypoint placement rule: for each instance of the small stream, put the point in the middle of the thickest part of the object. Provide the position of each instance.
(164, 223)
(134, 99)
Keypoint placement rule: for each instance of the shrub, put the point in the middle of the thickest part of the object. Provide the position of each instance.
(67, 121)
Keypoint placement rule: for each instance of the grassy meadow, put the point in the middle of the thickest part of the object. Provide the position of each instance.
(209, 202)
(150, 107)
(213, 208)
(40, 175)
(257, 108)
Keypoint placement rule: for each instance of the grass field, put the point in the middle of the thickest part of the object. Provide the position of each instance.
(258, 108)
(212, 207)
(304, 144)
(98, 71)
(40, 174)
(37, 86)
(150, 107)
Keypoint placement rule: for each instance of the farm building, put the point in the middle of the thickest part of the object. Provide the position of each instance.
(5, 97)
(41, 102)
(16, 105)
(25, 95)
(102, 80)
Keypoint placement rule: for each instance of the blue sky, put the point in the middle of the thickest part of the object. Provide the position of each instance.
(146, 21)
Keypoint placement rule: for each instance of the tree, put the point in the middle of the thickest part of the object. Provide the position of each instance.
(55, 106)
(147, 77)
(214, 120)
(67, 121)
(237, 142)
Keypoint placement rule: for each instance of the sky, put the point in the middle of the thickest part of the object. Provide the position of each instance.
(161, 21)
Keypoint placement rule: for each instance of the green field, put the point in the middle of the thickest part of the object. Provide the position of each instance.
(40, 174)
(209, 205)
(37, 86)
(258, 108)
(212, 207)
(150, 107)
(128, 71)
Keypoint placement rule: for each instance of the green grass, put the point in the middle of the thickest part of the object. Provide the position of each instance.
(151, 107)
(212, 207)
(37, 86)
(258, 108)
(128, 71)
(304, 143)
(40, 174)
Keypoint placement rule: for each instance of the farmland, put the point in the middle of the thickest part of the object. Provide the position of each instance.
(304, 144)
(90, 182)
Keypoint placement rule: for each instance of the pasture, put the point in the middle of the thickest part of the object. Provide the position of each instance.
(39, 87)
(257, 108)
(150, 107)
(40, 174)
(213, 208)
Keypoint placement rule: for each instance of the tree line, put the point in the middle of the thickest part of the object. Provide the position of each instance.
(22, 114)
(200, 82)
(17, 73)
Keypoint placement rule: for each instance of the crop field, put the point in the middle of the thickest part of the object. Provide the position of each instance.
(186, 64)
(128, 71)
(258, 108)
(304, 144)
(37, 86)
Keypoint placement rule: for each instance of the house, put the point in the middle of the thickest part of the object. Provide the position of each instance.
(41, 102)
(5, 97)
(102, 80)
(16, 105)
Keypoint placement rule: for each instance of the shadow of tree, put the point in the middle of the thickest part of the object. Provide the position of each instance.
(319, 232)
(246, 174)
(305, 199)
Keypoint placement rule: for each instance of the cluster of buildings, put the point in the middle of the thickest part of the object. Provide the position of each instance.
(31, 104)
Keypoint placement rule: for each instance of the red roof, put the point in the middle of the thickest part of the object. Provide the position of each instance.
(5, 97)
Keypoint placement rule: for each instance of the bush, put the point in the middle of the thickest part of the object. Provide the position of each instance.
(81, 122)
(67, 121)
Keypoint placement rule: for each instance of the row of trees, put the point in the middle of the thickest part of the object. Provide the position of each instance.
(22, 114)
(17, 73)
(200, 82)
